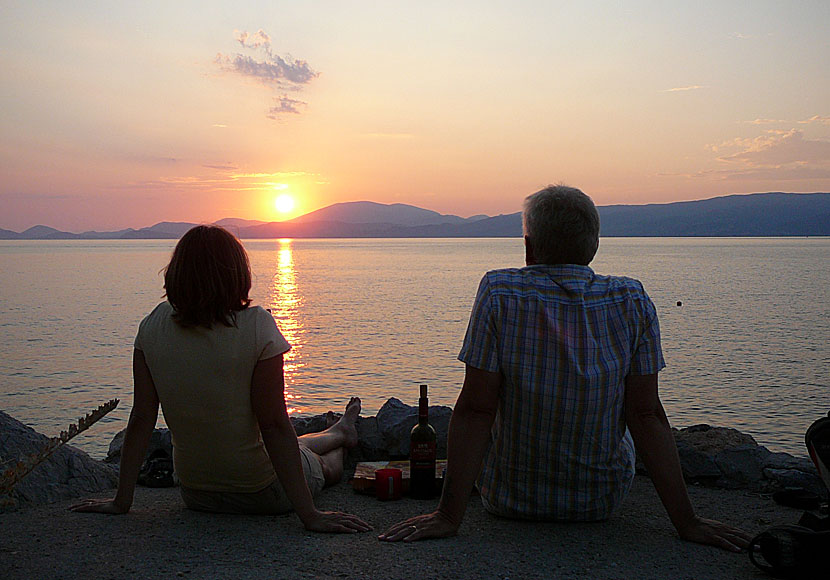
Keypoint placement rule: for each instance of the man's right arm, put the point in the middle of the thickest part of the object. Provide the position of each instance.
(649, 426)
(467, 440)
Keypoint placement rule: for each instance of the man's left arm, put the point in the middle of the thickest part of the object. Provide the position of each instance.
(467, 440)
(652, 434)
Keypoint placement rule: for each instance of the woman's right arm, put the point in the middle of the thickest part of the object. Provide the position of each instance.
(143, 418)
(268, 402)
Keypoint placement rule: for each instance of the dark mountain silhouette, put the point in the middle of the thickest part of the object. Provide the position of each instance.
(366, 212)
(238, 223)
(758, 214)
(46, 233)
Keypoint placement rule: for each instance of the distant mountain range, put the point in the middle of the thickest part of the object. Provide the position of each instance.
(757, 214)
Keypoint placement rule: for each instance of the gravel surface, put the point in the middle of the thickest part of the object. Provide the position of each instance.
(159, 538)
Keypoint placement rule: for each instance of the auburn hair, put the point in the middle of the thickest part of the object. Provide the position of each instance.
(208, 278)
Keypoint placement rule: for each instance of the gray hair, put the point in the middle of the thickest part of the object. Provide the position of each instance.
(562, 226)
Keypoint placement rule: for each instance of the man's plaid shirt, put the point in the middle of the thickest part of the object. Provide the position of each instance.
(564, 339)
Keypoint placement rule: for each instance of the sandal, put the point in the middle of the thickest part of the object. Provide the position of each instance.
(791, 551)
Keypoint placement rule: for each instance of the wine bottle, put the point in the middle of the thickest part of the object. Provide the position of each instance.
(422, 453)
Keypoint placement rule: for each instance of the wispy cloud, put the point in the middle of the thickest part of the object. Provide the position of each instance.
(766, 121)
(277, 175)
(776, 155)
(285, 105)
(816, 119)
(276, 71)
(683, 89)
(281, 72)
(224, 177)
(388, 135)
(220, 167)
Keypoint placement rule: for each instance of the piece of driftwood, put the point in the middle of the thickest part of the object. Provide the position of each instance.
(11, 476)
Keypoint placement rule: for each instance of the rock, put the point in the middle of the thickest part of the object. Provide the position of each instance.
(383, 437)
(303, 425)
(727, 458)
(395, 421)
(794, 478)
(161, 444)
(711, 456)
(710, 440)
(698, 467)
(741, 465)
(67, 473)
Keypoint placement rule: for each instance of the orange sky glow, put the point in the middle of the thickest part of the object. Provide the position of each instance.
(124, 116)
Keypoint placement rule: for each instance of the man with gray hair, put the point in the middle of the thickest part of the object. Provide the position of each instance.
(560, 385)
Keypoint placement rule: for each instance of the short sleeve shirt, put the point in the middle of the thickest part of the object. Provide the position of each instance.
(203, 379)
(563, 339)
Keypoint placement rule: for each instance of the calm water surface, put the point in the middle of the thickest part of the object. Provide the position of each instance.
(748, 348)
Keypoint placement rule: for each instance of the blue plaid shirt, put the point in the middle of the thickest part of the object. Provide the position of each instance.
(564, 339)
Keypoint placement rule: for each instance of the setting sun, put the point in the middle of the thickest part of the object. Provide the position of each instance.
(284, 203)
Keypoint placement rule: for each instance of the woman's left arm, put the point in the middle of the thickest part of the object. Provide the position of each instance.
(139, 429)
(280, 439)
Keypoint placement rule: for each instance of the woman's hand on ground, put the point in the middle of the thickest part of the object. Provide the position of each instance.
(101, 506)
(715, 533)
(336, 522)
(434, 525)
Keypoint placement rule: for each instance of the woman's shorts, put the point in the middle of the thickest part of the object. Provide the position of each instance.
(271, 500)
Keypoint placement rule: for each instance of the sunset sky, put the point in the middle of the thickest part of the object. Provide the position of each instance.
(116, 115)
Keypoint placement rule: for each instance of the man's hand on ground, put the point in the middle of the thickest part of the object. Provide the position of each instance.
(336, 522)
(434, 525)
(715, 533)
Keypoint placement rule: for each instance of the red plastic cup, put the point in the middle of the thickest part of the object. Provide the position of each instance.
(388, 483)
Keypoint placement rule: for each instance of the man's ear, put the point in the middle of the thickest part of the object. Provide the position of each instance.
(530, 259)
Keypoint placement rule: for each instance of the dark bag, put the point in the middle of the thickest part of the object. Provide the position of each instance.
(157, 470)
(800, 551)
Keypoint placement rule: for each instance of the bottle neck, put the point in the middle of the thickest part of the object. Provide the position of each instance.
(423, 411)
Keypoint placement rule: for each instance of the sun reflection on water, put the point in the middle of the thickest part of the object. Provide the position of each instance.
(285, 302)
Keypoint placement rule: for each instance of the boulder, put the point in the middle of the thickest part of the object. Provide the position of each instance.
(383, 437)
(710, 456)
(396, 419)
(742, 466)
(66, 474)
(724, 457)
(161, 444)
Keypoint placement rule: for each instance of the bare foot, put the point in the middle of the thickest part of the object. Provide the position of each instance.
(347, 422)
(331, 418)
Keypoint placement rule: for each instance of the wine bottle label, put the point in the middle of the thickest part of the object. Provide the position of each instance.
(422, 452)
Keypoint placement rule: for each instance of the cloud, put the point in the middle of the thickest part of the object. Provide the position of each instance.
(285, 105)
(275, 70)
(255, 40)
(228, 167)
(277, 175)
(682, 89)
(776, 155)
(766, 121)
(388, 135)
(817, 119)
(780, 147)
(225, 177)
(281, 72)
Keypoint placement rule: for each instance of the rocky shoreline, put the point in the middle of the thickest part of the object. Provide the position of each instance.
(717, 457)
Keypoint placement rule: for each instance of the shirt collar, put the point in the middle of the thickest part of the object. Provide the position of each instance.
(571, 277)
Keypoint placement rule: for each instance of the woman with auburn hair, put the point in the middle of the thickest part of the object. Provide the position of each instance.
(215, 364)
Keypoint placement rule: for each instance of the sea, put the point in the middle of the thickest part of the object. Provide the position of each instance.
(745, 324)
